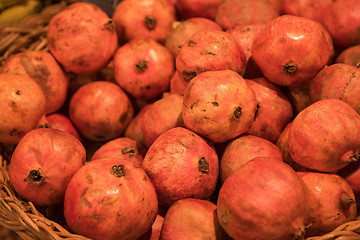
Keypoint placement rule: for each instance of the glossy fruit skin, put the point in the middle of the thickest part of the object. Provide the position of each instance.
(100, 110)
(324, 136)
(56, 155)
(263, 214)
(219, 105)
(291, 50)
(181, 164)
(22, 103)
(79, 34)
(110, 199)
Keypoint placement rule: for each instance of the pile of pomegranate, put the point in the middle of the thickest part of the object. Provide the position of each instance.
(190, 119)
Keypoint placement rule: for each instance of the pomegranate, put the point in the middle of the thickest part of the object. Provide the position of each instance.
(43, 163)
(324, 136)
(268, 123)
(332, 202)
(143, 68)
(291, 50)
(43, 68)
(340, 81)
(197, 8)
(176, 84)
(181, 164)
(351, 174)
(154, 232)
(134, 129)
(79, 34)
(183, 30)
(219, 105)
(62, 122)
(274, 201)
(243, 149)
(232, 13)
(298, 96)
(110, 199)
(22, 104)
(146, 18)
(191, 218)
(100, 110)
(122, 148)
(350, 55)
(209, 50)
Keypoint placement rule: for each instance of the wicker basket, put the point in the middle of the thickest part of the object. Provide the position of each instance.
(23, 218)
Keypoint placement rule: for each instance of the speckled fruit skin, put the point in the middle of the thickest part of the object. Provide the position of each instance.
(325, 136)
(45, 70)
(243, 149)
(209, 50)
(148, 18)
(219, 105)
(100, 110)
(62, 122)
(263, 214)
(22, 104)
(340, 81)
(332, 202)
(181, 164)
(110, 199)
(191, 218)
(143, 68)
(79, 34)
(291, 50)
(43, 163)
(197, 8)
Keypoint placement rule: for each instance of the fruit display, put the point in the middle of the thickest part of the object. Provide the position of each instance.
(182, 119)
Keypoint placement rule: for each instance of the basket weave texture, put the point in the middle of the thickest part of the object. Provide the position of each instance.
(23, 218)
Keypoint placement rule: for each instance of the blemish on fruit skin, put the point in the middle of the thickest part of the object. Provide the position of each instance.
(18, 92)
(207, 53)
(204, 166)
(194, 104)
(237, 113)
(216, 104)
(192, 43)
(188, 75)
(89, 179)
(290, 68)
(150, 22)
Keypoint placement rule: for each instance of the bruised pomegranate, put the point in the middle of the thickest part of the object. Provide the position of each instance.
(325, 136)
(209, 50)
(143, 68)
(145, 18)
(197, 8)
(191, 218)
(263, 199)
(82, 38)
(218, 105)
(100, 110)
(110, 199)
(43, 68)
(291, 50)
(340, 81)
(22, 104)
(43, 163)
(332, 202)
(62, 122)
(122, 148)
(183, 30)
(350, 55)
(181, 164)
(243, 149)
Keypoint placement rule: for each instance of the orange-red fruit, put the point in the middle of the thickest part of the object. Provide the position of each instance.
(197, 8)
(146, 18)
(291, 50)
(177, 85)
(264, 200)
(134, 129)
(100, 110)
(350, 55)
(62, 122)
(82, 38)
(332, 202)
(219, 105)
(22, 104)
(325, 136)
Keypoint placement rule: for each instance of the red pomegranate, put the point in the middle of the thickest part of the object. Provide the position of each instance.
(350, 55)
(145, 18)
(197, 8)
(325, 136)
(45, 70)
(143, 68)
(351, 174)
(43, 163)
(219, 105)
(154, 232)
(100, 110)
(274, 202)
(181, 164)
(298, 96)
(177, 85)
(79, 34)
(291, 50)
(62, 122)
(209, 50)
(134, 129)
(110, 199)
(22, 104)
